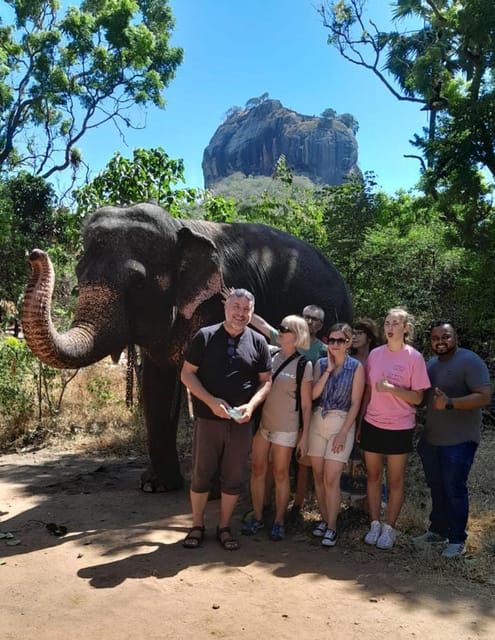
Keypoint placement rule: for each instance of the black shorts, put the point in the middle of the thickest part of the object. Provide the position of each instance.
(386, 441)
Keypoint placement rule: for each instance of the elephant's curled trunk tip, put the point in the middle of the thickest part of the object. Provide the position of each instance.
(37, 254)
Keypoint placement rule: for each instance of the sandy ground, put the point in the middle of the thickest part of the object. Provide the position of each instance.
(120, 571)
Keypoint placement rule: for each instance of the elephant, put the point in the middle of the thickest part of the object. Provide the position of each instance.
(148, 279)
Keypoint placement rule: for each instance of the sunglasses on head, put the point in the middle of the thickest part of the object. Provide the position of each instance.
(283, 329)
(337, 340)
(230, 347)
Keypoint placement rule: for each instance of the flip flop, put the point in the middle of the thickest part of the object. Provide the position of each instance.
(226, 539)
(192, 541)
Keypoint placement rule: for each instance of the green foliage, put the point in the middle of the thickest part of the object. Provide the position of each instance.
(16, 387)
(328, 113)
(349, 121)
(100, 389)
(148, 177)
(28, 219)
(67, 70)
(443, 59)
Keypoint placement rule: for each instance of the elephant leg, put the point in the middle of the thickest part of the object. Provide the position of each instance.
(161, 410)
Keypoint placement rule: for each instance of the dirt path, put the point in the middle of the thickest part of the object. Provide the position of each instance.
(121, 572)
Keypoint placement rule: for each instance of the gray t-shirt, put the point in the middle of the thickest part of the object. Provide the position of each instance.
(456, 377)
(279, 410)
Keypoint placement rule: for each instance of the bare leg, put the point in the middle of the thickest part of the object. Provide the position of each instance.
(317, 464)
(259, 465)
(198, 505)
(396, 468)
(331, 481)
(281, 461)
(301, 484)
(374, 470)
(227, 506)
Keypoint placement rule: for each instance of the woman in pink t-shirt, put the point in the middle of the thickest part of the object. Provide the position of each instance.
(396, 379)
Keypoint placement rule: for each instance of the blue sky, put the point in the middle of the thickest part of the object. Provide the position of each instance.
(236, 50)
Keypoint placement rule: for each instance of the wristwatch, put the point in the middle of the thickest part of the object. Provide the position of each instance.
(449, 404)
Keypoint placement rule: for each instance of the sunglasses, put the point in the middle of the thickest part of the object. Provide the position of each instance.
(311, 318)
(337, 340)
(230, 347)
(283, 329)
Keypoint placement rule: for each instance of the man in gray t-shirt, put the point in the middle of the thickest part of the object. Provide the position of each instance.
(460, 387)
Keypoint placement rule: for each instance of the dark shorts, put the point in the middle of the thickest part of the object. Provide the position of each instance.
(220, 446)
(386, 441)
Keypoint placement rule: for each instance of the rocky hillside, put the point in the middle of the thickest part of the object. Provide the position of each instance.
(251, 140)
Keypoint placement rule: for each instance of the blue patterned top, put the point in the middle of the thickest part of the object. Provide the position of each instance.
(337, 391)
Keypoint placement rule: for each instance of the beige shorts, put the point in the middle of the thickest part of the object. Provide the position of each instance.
(322, 433)
(283, 438)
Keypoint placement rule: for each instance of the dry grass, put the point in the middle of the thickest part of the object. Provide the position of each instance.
(95, 419)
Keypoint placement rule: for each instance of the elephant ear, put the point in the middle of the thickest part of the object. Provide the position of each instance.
(199, 275)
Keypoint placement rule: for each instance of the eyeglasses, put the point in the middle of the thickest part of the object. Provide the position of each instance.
(337, 340)
(311, 318)
(230, 347)
(283, 329)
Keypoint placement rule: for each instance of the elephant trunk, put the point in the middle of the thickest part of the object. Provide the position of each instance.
(77, 347)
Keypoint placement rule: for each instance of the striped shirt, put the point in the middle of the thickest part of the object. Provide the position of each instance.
(337, 391)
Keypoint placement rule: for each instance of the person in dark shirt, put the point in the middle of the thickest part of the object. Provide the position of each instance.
(228, 372)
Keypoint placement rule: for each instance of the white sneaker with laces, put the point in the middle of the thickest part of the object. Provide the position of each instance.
(319, 530)
(330, 538)
(387, 537)
(374, 533)
(454, 550)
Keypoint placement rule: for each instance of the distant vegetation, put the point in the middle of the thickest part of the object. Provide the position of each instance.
(432, 250)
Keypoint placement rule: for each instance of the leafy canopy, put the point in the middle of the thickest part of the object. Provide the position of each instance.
(443, 58)
(63, 73)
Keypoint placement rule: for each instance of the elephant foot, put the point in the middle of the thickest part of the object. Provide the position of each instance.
(151, 483)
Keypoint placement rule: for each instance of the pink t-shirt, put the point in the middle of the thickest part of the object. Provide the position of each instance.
(406, 369)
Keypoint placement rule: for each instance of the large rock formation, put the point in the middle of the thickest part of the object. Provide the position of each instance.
(252, 140)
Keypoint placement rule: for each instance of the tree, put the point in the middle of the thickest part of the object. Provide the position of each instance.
(64, 74)
(148, 177)
(328, 113)
(28, 219)
(349, 121)
(444, 62)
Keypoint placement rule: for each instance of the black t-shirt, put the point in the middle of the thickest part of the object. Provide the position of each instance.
(232, 377)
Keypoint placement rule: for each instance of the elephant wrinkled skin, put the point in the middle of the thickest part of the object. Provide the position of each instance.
(149, 279)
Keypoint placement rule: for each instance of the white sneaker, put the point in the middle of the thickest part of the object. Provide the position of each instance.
(454, 550)
(429, 537)
(374, 533)
(387, 537)
(329, 539)
(319, 530)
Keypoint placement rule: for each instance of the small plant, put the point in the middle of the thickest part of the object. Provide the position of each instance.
(16, 388)
(100, 390)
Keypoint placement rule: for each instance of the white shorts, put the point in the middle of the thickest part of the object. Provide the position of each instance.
(282, 438)
(322, 433)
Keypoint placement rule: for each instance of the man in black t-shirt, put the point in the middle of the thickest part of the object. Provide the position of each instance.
(228, 372)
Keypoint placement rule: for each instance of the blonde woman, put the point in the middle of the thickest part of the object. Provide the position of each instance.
(279, 429)
(396, 379)
(339, 385)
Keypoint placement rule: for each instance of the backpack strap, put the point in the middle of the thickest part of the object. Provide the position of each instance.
(301, 366)
(284, 364)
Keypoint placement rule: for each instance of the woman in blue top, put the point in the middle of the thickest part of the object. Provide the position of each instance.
(339, 385)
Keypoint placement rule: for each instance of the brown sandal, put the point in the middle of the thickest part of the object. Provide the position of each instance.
(192, 541)
(226, 539)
